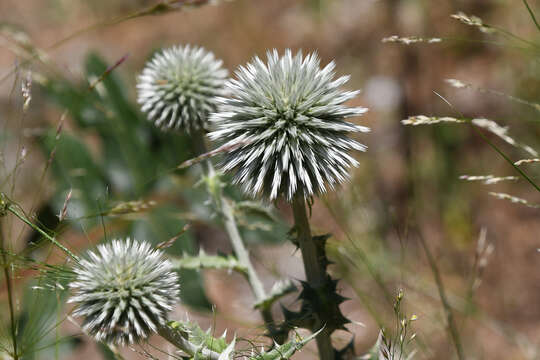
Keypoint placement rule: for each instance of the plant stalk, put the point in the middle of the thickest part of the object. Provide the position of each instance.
(452, 328)
(10, 297)
(237, 243)
(315, 271)
(12, 209)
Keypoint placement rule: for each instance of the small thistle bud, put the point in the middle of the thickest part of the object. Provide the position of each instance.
(124, 291)
(286, 125)
(178, 88)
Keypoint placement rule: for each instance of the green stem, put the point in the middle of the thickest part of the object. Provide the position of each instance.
(10, 297)
(315, 271)
(13, 209)
(505, 157)
(452, 328)
(237, 243)
(531, 13)
(240, 250)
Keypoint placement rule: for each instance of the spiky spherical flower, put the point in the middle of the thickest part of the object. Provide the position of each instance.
(178, 87)
(124, 291)
(285, 125)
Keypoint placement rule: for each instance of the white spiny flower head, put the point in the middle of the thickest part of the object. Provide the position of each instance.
(286, 128)
(179, 86)
(124, 291)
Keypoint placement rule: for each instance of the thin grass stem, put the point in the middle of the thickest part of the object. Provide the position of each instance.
(9, 285)
(14, 209)
(452, 328)
(531, 13)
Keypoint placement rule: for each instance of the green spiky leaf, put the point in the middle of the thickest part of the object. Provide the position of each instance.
(205, 261)
(285, 351)
(319, 304)
(202, 345)
(197, 343)
(279, 290)
(255, 208)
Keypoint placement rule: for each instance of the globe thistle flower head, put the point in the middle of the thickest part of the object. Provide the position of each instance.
(178, 88)
(285, 124)
(124, 291)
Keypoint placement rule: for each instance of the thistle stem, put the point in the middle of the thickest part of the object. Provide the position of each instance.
(241, 252)
(315, 271)
(237, 243)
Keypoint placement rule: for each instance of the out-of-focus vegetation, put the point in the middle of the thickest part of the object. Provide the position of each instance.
(82, 136)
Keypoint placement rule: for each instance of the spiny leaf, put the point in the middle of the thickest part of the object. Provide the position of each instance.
(200, 344)
(285, 351)
(228, 352)
(319, 304)
(324, 302)
(205, 261)
(199, 338)
(255, 208)
(280, 289)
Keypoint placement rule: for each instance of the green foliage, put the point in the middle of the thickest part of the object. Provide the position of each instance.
(394, 345)
(285, 351)
(198, 337)
(279, 290)
(38, 320)
(322, 302)
(130, 155)
(122, 133)
(200, 344)
(205, 261)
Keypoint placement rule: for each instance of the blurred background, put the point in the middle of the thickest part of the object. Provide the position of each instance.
(83, 131)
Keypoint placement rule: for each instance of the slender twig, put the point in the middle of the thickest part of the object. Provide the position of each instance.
(315, 271)
(362, 255)
(452, 328)
(14, 209)
(531, 13)
(10, 297)
(227, 213)
(505, 157)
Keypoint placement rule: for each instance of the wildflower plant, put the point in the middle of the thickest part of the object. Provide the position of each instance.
(396, 344)
(285, 133)
(178, 88)
(287, 123)
(196, 80)
(124, 291)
